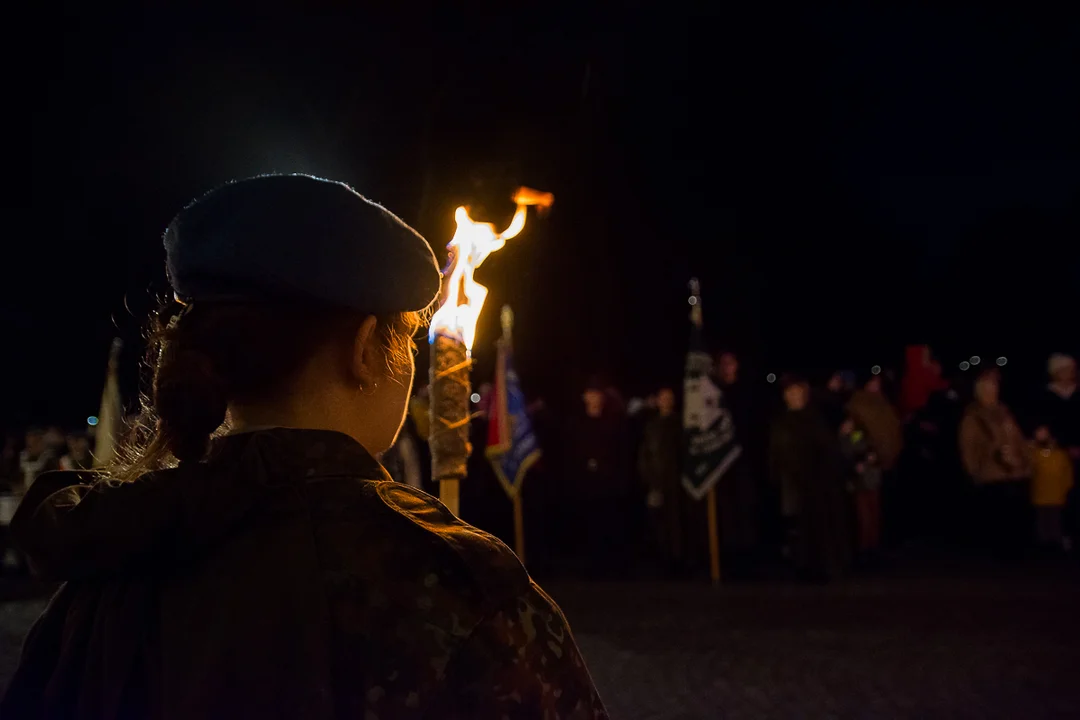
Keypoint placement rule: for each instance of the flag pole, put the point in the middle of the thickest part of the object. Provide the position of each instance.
(697, 318)
(506, 317)
(519, 527)
(714, 539)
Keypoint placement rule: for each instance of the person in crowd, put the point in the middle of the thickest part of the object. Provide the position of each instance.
(865, 471)
(921, 379)
(1058, 409)
(832, 400)
(738, 490)
(253, 559)
(871, 410)
(931, 467)
(36, 458)
(659, 466)
(78, 455)
(599, 472)
(805, 464)
(1051, 481)
(995, 457)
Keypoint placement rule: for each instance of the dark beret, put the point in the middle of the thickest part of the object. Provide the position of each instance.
(286, 236)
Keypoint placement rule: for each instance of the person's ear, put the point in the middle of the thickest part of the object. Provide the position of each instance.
(366, 354)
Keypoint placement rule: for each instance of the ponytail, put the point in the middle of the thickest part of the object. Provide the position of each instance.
(215, 353)
(191, 400)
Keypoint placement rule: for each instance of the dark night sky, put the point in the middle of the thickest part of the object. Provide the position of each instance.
(843, 182)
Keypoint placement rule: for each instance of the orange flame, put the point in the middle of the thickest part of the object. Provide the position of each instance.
(463, 297)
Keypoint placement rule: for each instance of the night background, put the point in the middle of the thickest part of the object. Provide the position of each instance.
(843, 182)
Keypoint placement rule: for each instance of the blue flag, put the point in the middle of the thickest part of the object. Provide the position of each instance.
(512, 447)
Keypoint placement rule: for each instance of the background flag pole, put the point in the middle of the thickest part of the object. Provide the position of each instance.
(708, 430)
(512, 448)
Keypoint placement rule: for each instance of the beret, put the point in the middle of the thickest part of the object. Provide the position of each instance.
(297, 236)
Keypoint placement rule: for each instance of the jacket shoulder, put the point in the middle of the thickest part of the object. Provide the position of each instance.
(472, 558)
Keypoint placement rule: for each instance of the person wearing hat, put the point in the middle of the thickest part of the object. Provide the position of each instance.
(250, 557)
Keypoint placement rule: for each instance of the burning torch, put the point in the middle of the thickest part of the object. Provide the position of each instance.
(453, 329)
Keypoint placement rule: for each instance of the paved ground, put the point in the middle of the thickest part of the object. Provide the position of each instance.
(957, 641)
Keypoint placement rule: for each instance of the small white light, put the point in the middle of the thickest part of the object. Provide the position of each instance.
(92, 420)
(475, 397)
(965, 365)
(770, 378)
(876, 370)
(975, 359)
(1001, 361)
(692, 300)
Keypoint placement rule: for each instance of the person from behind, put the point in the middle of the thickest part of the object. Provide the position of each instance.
(994, 455)
(252, 559)
(865, 470)
(1051, 481)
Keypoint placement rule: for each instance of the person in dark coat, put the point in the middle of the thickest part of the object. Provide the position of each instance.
(659, 464)
(599, 470)
(832, 399)
(738, 491)
(805, 464)
(253, 559)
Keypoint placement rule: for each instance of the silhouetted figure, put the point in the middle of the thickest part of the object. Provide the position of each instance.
(659, 464)
(599, 471)
(275, 571)
(871, 410)
(1058, 409)
(805, 464)
(738, 491)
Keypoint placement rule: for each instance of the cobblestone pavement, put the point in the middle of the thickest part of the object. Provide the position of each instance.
(954, 644)
(908, 647)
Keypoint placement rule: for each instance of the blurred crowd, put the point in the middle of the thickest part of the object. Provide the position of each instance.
(830, 475)
(833, 475)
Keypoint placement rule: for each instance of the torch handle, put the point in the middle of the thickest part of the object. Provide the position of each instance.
(449, 433)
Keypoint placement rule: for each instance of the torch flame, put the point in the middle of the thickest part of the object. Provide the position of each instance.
(463, 297)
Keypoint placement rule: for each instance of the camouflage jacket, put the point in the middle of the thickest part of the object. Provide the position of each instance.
(286, 577)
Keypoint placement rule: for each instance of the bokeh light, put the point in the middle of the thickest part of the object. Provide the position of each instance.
(1001, 361)
(965, 365)
(475, 397)
(876, 370)
(975, 360)
(770, 378)
(92, 420)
